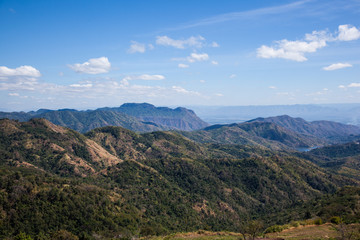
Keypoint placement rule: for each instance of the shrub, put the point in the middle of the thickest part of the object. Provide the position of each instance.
(336, 220)
(273, 229)
(295, 224)
(318, 221)
(23, 236)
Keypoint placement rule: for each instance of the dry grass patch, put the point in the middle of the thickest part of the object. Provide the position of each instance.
(307, 232)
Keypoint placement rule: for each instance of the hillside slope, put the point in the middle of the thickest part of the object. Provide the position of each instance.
(265, 134)
(158, 182)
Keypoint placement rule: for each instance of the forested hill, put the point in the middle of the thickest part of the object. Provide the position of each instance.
(281, 132)
(113, 182)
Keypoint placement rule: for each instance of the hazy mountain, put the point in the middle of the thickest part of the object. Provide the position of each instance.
(178, 118)
(343, 113)
(147, 183)
(137, 117)
(84, 121)
(254, 133)
(331, 131)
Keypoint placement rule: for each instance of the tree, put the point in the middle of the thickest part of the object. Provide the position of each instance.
(251, 229)
(23, 236)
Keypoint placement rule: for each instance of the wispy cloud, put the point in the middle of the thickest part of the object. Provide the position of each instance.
(197, 42)
(136, 47)
(182, 65)
(198, 57)
(146, 77)
(92, 66)
(243, 14)
(352, 85)
(337, 66)
(182, 90)
(214, 44)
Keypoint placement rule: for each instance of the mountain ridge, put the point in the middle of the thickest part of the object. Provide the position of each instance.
(141, 117)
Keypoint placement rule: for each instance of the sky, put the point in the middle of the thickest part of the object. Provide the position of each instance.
(90, 54)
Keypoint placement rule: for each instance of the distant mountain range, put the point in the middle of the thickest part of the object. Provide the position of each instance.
(142, 117)
(343, 113)
(282, 132)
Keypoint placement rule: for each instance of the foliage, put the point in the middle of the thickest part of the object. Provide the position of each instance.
(114, 182)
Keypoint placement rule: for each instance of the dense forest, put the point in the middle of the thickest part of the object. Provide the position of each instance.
(112, 182)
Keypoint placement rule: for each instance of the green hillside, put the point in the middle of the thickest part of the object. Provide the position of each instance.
(114, 182)
(259, 134)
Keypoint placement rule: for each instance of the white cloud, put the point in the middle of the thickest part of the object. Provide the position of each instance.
(197, 42)
(87, 85)
(202, 81)
(214, 62)
(283, 93)
(294, 50)
(155, 77)
(181, 65)
(219, 94)
(273, 87)
(136, 47)
(232, 76)
(337, 66)
(182, 90)
(341, 87)
(194, 57)
(348, 33)
(354, 85)
(150, 77)
(92, 66)
(214, 44)
(24, 71)
(14, 94)
(103, 91)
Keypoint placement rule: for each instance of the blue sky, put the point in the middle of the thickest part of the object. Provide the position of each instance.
(89, 54)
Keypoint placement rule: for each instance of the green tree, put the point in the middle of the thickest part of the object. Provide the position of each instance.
(23, 236)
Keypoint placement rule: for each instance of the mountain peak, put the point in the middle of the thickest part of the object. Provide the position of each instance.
(133, 105)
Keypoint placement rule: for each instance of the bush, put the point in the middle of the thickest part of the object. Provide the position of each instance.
(23, 236)
(295, 224)
(273, 229)
(318, 221)
(336, 220)
(64, 235)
